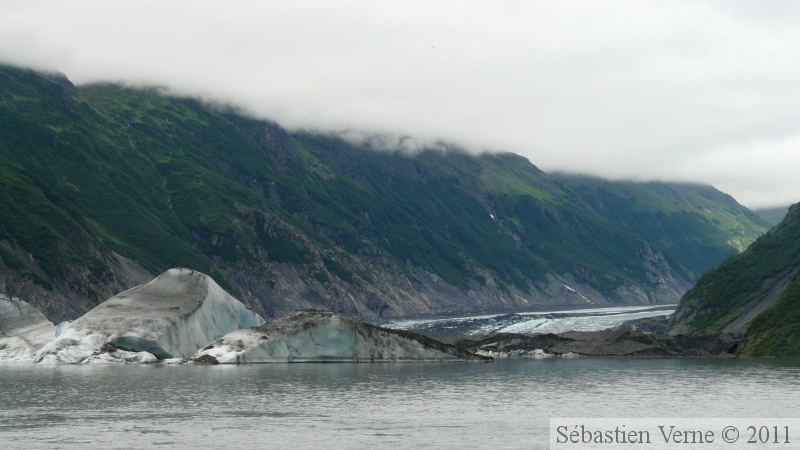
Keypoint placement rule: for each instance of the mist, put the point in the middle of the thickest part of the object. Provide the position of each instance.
(706, 92)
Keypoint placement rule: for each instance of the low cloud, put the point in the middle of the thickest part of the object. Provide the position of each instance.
(675, 90)
(388, 142)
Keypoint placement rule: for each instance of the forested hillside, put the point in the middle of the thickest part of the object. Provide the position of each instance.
(756, 293)
(105, 186)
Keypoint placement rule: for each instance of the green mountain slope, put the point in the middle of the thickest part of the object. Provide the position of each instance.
(660, 212)
(772, 216)
(105, 186)
(753, 292)
(775, 331)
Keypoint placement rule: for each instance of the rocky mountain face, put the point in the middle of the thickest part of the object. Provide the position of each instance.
(756, 293)
(105, 186)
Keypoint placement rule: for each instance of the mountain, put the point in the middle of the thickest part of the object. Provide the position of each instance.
(756, 293)
(663, 212)
(772, 216)
(105, 186)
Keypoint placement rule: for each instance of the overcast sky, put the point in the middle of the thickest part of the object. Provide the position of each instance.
(652, 90)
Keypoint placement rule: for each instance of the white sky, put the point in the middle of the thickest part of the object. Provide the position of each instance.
(703, 91)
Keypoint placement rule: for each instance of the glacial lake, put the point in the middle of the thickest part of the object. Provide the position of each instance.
(505, 404)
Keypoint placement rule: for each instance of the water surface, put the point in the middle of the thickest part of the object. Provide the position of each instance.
(506, 404)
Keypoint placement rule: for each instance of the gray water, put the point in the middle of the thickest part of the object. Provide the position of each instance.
(505, 404)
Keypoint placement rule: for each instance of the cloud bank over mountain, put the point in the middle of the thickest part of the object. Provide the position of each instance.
(678, 90)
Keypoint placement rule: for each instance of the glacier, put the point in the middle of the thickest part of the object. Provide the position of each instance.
(325, 336)
(173, 316)
(23, 330)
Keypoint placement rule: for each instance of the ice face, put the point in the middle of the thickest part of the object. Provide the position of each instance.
(23, 330)
(319, 336)
(173, 316)
(62, 326)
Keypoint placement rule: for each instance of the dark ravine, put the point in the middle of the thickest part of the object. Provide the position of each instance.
(107, 186)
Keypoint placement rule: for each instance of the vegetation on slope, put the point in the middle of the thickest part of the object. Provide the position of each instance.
(663, 212)
(776, 331)
(722, 294)
(97, 170)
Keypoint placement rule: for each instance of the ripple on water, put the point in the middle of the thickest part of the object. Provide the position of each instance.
(503, 404)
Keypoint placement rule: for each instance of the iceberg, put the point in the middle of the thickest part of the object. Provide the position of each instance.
(23, 330)
(173, 316)
(324, 336)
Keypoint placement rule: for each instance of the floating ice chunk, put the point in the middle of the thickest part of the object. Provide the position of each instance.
(324, 336)
(117, 356)
(23, 330)
(519, 353)
(173, 316)
(173, 361)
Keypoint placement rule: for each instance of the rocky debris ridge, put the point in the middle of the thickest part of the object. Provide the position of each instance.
(173, 316)
(323, 336)
(651, 325)
(23, 330)
(621, 341)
